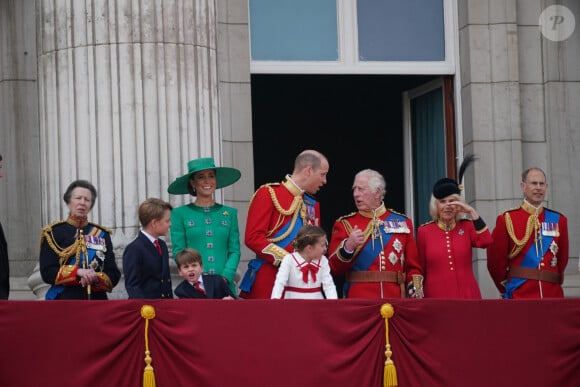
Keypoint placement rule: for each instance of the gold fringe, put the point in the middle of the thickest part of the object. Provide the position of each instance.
(390, 373)
(148, 313)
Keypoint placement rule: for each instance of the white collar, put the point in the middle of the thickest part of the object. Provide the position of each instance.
(149, 236)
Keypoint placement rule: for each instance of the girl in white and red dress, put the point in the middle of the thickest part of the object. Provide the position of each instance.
(305, 273)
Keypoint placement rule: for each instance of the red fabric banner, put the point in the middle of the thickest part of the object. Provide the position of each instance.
(279, 343)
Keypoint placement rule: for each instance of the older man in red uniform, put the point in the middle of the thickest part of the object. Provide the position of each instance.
(530, 245)
(374, 245)
(276, 213)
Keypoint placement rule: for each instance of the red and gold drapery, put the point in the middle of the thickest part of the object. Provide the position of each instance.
(279, 343)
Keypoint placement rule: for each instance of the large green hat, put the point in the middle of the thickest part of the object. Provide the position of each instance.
(224, 176)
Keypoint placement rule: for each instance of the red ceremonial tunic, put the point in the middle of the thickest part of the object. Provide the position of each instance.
(554, 260)
(445, 259)
(399, 252)
(272, 208)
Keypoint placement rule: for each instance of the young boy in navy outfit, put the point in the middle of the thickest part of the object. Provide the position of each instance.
(146, 259)
(198, 285)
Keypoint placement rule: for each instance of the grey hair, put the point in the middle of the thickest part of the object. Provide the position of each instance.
(527, 171)
(376, 181)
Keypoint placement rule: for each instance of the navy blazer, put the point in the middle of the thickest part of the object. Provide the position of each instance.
(146, 273)
(4, 267)
(215, 286)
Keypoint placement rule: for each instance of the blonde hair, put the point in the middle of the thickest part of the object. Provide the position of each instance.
(433, 207)
(152, 209)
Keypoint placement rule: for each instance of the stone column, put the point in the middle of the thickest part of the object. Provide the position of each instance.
(491, 114)
(19, 142)
(128, 94)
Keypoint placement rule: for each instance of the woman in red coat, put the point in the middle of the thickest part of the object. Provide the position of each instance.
(445, 244)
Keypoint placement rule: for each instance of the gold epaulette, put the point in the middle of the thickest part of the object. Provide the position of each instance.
(345, 223)
(47, 229)
(426, 223)
(398, 213)
(105, 229)
(509, 210)
(346, 216)
(50, 226)
(62, 253)
(262, 186)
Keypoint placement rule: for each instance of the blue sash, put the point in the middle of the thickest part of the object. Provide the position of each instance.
(368, 254)
(55, 290)
(531, 260)
(255, 264)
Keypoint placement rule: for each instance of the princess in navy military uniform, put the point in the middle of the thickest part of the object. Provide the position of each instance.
(76, 256)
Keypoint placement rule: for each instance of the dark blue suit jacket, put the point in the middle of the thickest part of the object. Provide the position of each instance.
(4, 267)
(215, 286)
(146, 272)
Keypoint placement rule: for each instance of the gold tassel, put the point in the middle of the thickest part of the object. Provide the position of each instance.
(390, 373)
(148, 313)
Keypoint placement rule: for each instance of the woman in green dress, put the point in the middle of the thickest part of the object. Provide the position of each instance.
(207, 226)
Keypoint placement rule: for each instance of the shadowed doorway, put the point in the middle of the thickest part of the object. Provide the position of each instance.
(355, 120)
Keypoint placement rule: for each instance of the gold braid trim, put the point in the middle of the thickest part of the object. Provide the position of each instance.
(296, 202)
(62, 253)
(74, 249)
(284, 235)
(519, 244)
(293, 210)
(277, 251)
(348, 227)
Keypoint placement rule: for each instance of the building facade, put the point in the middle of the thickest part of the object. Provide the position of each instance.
(124, 93)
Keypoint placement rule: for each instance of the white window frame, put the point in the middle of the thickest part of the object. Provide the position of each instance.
(348, 62)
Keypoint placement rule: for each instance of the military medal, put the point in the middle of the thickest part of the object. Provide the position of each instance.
(310, 215)
(393, 258)
(554, 251)
(95, 243)
(550, 229)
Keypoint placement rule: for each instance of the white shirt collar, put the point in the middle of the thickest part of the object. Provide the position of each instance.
(149, 236)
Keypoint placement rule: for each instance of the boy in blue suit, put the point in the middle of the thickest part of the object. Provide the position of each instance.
(196, 285)
(146, 259)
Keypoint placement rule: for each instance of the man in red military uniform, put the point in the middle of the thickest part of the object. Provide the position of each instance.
(276, 213)
(529, 252)
(374, 245)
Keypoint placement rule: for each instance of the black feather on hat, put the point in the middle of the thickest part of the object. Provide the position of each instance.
(447, 186)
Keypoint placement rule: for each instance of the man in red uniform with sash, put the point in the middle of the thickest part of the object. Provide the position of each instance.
(529, 252)
(374, 245)
(276, 213)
